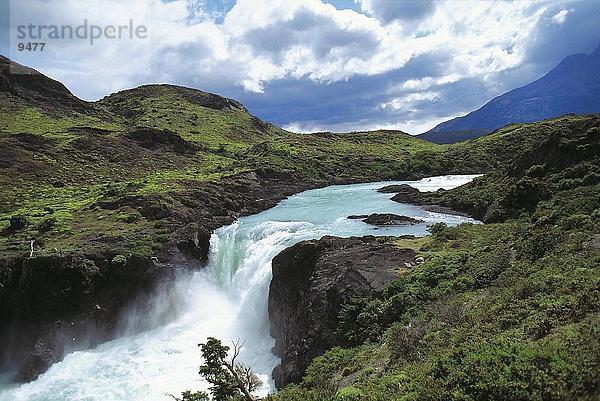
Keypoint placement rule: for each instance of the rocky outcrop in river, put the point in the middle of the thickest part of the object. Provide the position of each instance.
(311, 280)
(390, 219)
(430, 201)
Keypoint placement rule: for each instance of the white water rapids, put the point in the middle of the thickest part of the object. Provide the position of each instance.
(227, 300)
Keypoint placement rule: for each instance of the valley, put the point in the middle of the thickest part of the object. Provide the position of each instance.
(154, 203)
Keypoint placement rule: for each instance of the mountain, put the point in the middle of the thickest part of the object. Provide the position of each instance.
(573, 86)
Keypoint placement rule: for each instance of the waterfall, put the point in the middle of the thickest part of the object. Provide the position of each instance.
(227, 300)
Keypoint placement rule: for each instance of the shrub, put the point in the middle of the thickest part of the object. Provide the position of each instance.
(320, 373)
(119, 260)
(350, 394)
(360, 320)
(535, 243)
(403, 340)
(591, 179)
(499, 371)
(536, 171)
(577, 221)
(437, 228)
(569, 183)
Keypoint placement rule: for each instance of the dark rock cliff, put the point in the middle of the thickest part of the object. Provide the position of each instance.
(52, 304)
(311, 280)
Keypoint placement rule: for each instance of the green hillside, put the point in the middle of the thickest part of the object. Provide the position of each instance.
(64, 160)
(502, 311)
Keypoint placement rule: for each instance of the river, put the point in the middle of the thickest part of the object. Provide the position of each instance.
(227, 300)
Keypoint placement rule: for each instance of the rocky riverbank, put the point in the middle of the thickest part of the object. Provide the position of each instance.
(311, 280)
(430, 201)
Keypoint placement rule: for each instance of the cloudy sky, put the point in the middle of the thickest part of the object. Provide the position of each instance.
(311, 65)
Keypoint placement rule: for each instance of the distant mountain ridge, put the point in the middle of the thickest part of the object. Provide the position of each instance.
(573, 86)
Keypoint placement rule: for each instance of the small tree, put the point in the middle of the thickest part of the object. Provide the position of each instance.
(230, 381)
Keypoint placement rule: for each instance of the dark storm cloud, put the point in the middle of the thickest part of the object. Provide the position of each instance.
(317, 32)
(340, 105)
(406, 10)
(578, 34)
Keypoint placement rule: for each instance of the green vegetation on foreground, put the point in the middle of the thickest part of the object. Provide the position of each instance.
(503, 311)
(494, 313)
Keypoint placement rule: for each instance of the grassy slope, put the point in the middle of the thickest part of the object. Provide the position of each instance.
(562, 154)
(59, 164)
(508, 310)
